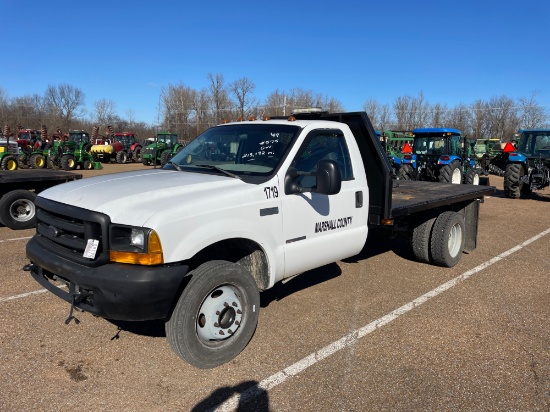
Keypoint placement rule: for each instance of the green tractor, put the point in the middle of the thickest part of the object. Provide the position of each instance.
(393, 143)
(72, 152)
(9, 151)
(161, 150)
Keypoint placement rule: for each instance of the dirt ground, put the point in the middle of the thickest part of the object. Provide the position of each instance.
(475, 337)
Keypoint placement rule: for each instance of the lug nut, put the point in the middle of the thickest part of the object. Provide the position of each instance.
(234, 304)
(221, 332)
(217, 325)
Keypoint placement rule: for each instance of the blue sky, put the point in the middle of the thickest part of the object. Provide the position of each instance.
(126, 51)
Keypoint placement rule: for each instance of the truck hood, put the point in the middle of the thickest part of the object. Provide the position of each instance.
(134, 197)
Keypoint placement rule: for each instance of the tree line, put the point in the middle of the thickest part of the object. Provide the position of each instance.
(188, 111)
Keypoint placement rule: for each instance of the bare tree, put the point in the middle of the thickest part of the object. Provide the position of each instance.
(404, 115)
(201, 101)
(242, 90)
(502, 117)
(220, 97)
(179, 107)
(104, 112)
(439, 115)
(460, 118)
(531, 114)
(66, 101)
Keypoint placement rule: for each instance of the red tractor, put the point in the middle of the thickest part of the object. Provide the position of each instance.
(118, 147)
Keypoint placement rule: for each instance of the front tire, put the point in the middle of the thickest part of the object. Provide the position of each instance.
(9, 163)
(472, 177)
(216, 315)
(121, 157)
(68, 162)
(451, 173)
(17, 209)
(447, 239)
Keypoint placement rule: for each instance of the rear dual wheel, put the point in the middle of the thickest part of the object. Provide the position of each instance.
(439, 240)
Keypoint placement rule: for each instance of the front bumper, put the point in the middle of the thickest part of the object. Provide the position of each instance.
(113, 291)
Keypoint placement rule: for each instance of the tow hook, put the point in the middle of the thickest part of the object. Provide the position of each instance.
(76, 298)
(29, 267)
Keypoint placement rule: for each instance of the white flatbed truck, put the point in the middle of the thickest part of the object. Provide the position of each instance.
(240, 208)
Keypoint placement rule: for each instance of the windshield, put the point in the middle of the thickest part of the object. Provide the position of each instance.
(79, 137)
(429, 145)
(169, 139)
(254, 150)
(535, 143)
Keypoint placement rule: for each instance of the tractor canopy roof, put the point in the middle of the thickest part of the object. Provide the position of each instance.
(440, 131)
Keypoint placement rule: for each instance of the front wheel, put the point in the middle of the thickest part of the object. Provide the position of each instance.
(216, 315)
(472, 177)
(68, 162)
(17, 210)
(451, 173)
(121, 157)
(9, 163)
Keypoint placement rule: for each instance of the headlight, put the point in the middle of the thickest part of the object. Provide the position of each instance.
(135, 245)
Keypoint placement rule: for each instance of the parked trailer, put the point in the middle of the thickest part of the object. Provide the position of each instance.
(18, 191)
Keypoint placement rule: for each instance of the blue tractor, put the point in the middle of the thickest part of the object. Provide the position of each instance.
(440, 155)
(528, 165)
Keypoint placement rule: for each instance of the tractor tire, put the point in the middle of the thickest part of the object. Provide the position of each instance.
(22, 159)
(68, 162)
(165, 157)
(146, 162)
(9, 163)
(87, 165)
(52, 163)
(451, 173)
(512, 180)
(38, 161)
(419, 239)
(17, 209)
(447, 239)
(406, 172)
(136, 155)
(472, 177)
(121, 157)
(215, 316)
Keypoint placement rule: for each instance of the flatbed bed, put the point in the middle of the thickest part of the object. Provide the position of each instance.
(410, 196)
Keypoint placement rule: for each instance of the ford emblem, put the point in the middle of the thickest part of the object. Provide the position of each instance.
(52, 231)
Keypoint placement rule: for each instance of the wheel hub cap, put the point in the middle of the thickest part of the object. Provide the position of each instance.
(220, 314)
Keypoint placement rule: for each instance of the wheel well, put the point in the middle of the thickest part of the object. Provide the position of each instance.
(241, 251)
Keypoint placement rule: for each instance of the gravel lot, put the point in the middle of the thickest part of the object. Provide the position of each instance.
(482, 344)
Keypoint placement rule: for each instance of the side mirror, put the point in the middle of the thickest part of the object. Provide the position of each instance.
(328, 177)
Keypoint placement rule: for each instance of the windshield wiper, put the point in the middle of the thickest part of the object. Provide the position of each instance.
(219, 169)
(178, 168)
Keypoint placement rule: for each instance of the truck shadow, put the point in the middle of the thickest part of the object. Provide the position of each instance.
(253, 398)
